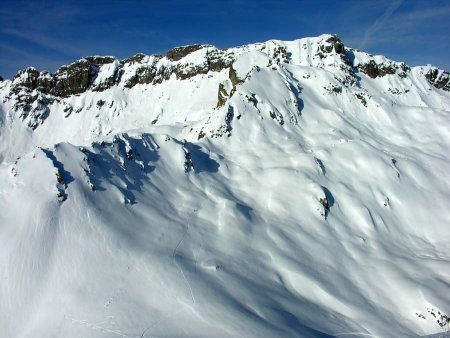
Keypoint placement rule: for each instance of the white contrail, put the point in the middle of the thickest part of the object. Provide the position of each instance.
(380, 22)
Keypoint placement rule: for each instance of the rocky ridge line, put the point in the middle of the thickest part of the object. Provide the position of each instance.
(33, 91)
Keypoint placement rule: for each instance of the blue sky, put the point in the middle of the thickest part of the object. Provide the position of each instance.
(47, 34)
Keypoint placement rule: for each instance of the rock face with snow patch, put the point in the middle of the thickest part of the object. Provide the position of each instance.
(284, 188)
(439, 79)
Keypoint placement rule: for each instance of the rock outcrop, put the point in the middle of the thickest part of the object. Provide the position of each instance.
(75, 78)
(26, 78)
(374, 69)
(439, 79)
(178, 53)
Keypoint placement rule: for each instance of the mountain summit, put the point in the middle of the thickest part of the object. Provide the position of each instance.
(277, 189)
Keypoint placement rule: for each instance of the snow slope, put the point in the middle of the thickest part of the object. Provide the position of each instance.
(279, 189)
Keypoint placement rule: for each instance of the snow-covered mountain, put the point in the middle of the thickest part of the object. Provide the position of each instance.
(278, 189)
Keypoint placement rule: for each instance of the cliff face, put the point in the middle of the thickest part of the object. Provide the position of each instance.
(285, 188)
(97, 74)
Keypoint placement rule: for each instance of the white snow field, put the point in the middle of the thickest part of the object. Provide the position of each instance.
(301, 190)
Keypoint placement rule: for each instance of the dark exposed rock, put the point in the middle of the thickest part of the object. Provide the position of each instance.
(439, 79)
(375, 70)
(95, 63)
(110, 81)
(336, 90)
(234, 78)
(201, 135)
(35, 92)
(163, 73)
(225, 128)
(321, 55)
(188, 164)
(144, 74)
(153, 74)
(135, 58)
(222, 96)
(333, 89)
(370, 69)
(100, 60)
(324, 202)
(229, 118)
(361, 98)
(26, 78)
(68, 80)
(397, 91)
(403, 70)
(326, 48)
(217, 64)
(75, 78)
(31, 79)
(252, 99)
(45, 82)
(68, 110)
(333, 43)
(80, 75)
(336, 44)
(100, 103)
(32, 106)
(275, 115)
(178, 53)
(23, 101)
(215, 61)
(280, 55)
(218, 60)
(1, 78)
(185, 72)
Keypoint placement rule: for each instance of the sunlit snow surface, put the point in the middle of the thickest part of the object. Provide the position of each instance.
(239, 245)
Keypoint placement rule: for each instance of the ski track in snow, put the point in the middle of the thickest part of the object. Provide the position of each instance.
(174, 255)
(98, 327)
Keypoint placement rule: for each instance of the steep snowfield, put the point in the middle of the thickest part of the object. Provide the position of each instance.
(288, 194)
